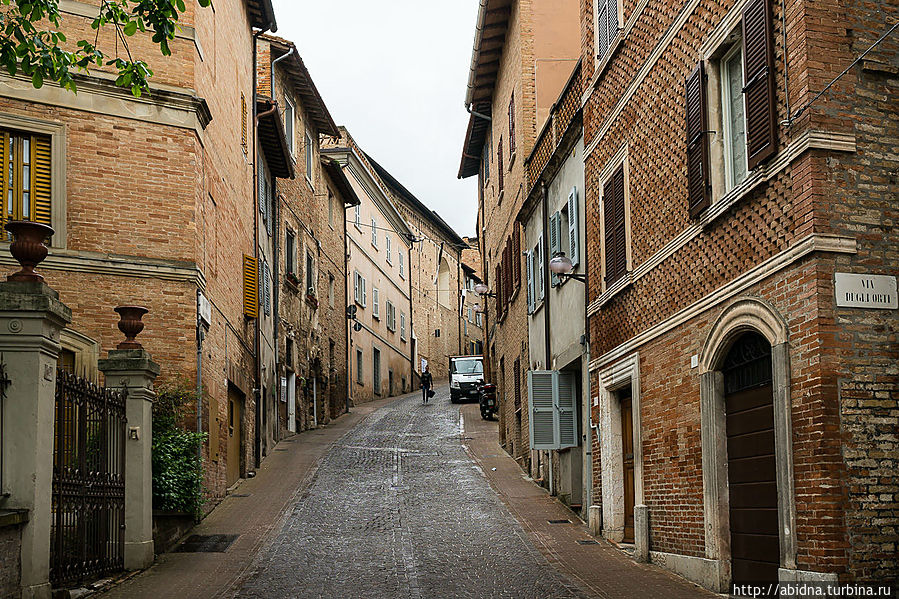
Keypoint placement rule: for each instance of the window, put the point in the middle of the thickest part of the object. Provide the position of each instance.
(401, 257)
(478, 319)
(376, 302)
(310, 149)
(266, 289)
(403, 326)
(289, 118)
(265, 193)
(310, 274)
(391, 316)
(360, 375)
(486, 160)
(290, 252)
(470, 314)
(512, 128)
(613, 205)
(374, 232)
(25, 177)
(243, 122)
(330, 290)
(539, 261)
(376, 369)
(733, 117)
(330, 208)
(499, 168)
(359, 289)
(606, 25)
(357, 216)
(389, 257)
(288, 352)
(515, 256)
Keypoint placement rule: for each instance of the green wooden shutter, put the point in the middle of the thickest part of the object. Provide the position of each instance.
(543, 416)
(554, 242)
(566, 401)
(530, 275)
(573, 227)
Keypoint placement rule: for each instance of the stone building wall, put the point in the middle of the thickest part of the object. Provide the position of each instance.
(10, 560)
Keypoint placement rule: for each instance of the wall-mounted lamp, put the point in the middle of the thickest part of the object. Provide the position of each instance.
(561, 266)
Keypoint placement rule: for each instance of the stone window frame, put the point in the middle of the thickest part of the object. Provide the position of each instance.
(86, 350)
(746, 314)
(612, 379)
(58, 139)
(621, 158)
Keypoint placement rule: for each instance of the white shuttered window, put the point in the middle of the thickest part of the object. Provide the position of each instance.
(553, 403)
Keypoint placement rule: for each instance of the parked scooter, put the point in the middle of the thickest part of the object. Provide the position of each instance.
(487, 400)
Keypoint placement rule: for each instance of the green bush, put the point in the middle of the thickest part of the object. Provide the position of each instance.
(177, 467)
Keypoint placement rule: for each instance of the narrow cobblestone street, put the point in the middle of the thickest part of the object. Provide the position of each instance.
(399, 509)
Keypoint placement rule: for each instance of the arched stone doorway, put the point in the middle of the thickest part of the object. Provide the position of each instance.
(750, 525)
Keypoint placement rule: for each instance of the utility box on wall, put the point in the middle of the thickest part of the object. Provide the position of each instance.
(552, 399)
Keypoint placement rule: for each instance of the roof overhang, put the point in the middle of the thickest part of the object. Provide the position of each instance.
(486, 54)
(273, 140)
(303, 85)
(344, 187)
(262, 15)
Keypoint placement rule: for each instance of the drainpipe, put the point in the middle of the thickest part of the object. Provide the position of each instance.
(459, 297)
(409, 332)
(346, 302)
(547, 281)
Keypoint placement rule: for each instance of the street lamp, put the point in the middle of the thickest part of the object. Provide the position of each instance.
(481, 289)
(561, 266)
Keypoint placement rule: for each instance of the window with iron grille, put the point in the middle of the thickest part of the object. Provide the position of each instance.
(512, 126)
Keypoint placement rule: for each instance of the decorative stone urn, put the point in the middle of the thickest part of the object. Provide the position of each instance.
(131, 325)
(28, 248)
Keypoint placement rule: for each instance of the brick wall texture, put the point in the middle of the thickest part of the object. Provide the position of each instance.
(843, 361)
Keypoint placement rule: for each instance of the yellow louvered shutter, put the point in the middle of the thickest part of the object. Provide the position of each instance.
(42, 182)
(250, 287)
(4, 175)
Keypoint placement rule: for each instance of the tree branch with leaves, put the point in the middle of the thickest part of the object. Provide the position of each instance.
(31, 43)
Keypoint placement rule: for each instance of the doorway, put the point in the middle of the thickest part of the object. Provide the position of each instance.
(235, 440)
(625, 400)
(751, 465)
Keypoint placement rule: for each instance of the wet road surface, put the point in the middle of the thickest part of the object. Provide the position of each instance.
(398, 508)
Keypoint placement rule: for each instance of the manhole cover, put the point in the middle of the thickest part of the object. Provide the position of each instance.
(206, 544)
(281, 449)
(239, 495)
(587, 542)
(566, 521)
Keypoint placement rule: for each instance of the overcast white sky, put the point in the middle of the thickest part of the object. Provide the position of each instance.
(394, 73)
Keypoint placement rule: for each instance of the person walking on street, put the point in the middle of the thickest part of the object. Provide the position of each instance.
(426, 381)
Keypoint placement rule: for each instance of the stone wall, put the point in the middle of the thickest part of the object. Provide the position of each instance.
(10, 560)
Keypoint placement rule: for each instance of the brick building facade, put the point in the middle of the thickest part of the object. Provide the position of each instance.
(738, 399)
(522, 55)
(150, 200)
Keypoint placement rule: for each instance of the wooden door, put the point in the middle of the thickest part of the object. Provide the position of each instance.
(235, 415)
(627, 462)
(752, 474)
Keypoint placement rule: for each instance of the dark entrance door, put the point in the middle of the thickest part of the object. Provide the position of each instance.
(627, 461)
(752, 475)
(235, 443)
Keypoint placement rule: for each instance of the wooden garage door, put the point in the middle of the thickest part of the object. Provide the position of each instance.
(749, 406)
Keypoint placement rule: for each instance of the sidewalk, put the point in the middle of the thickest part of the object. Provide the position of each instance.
(253, 511)
(602, 570)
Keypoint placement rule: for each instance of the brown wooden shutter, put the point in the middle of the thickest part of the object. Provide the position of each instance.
(620, 229)
(516, 255)
(758, 66)
(250, 287)
(512, 125)
(507, 271)
(614, 224)
(698, 188)
(41, 186)
(499, 164)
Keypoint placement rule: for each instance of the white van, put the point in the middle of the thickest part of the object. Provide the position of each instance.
(466, 373)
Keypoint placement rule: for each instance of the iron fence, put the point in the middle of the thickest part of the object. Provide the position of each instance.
(88, 504)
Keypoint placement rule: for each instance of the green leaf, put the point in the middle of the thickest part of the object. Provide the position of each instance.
(130, 29)
(37, 79)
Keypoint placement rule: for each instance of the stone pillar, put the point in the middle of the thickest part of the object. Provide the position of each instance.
(31, 317)
(641, 533)
(133, 370)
